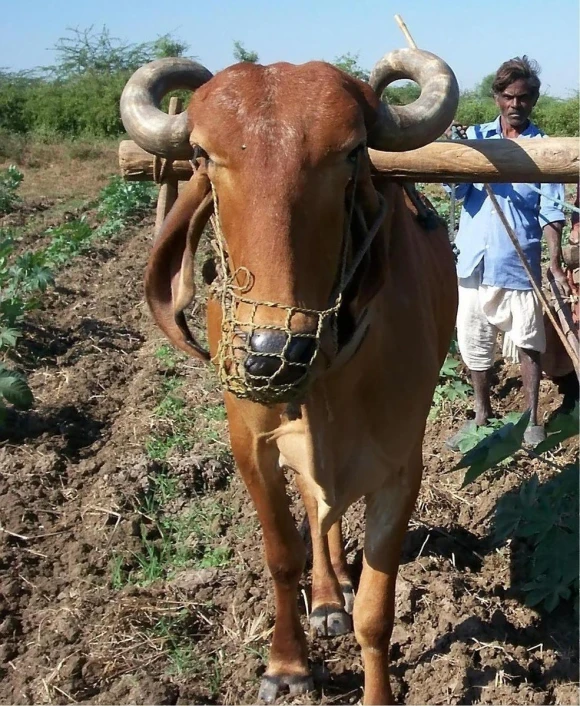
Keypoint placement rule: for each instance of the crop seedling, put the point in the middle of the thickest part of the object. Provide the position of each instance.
(544, 517)
(450, 387)
(14, 390)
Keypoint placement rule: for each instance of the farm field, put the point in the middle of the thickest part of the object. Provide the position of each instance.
(131, 567)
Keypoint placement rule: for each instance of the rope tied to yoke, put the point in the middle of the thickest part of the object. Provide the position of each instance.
(231, 287)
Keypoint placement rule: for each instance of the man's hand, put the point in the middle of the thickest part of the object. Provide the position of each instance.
(460, 130)
(560, 278)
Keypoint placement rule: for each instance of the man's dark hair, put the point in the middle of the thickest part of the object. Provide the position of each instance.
(515, 69)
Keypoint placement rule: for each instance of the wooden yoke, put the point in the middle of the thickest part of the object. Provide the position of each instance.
(547, 160)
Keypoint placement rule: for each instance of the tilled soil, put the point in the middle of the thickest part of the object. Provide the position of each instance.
(73, 475)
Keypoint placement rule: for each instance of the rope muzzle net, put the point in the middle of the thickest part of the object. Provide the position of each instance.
(234, 350)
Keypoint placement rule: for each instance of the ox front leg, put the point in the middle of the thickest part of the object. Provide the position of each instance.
(285, 556)
(388, 512)
(331, 586)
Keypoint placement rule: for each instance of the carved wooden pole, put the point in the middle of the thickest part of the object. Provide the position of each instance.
(165, 176)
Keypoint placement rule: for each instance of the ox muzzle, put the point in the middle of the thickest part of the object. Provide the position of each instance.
(275, 363)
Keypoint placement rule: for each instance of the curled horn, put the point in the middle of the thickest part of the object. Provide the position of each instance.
(408, 127)
(151, 128)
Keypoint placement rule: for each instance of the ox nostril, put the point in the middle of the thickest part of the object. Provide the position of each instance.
(300, 350)
(270, 355)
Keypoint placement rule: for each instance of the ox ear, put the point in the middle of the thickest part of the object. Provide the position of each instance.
(169, 277)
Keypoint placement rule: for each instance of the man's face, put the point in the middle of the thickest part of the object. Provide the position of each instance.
(516, 102)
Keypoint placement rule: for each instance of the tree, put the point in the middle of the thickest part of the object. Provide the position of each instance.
(483, 88)
(349, 64)
(166, 46)
(242, 54)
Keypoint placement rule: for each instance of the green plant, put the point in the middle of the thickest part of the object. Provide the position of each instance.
(241, 54)
(14, 390)
(544, 517)
(67, 240)
(10, 179)
(168, 357)
(122, 202)
(450, 388)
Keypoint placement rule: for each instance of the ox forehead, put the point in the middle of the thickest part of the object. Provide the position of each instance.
(250, 112)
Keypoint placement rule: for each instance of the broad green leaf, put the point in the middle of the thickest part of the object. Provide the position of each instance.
(8, 337)
(559, 429)
(14, 389)
(498, 446)
(448, 367)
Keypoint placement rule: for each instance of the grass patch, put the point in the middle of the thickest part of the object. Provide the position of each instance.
(169, 542)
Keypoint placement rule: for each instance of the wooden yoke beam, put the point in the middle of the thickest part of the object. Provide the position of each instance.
(544, 160)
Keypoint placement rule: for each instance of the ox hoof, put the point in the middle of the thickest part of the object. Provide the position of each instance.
(330, 621)
(348, 595)
(272, 685)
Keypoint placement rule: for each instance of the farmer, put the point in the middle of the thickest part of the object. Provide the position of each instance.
(495, 293)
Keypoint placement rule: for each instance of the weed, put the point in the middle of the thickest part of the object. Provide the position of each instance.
(117, 576)
(9, 182)
(450, 388)
(187, 539)
(168, 357)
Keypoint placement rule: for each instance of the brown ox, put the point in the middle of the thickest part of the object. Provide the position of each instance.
(331, 314)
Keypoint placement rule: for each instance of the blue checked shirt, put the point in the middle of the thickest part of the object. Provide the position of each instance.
(481, 234)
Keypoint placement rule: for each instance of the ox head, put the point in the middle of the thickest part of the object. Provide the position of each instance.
(282, 164)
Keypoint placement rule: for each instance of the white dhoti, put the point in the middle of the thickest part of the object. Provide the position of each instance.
(484, 310)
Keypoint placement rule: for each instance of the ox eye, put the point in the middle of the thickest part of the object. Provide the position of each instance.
(353, 154)
(199, 153)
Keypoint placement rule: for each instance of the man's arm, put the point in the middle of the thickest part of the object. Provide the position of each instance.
(553, 234)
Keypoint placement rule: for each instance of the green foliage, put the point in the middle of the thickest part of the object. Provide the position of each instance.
(558, 429)
(79, 95)
(25, 274)
(123, 202)
(497, 446)
(484, 87)
(67, 240)
(242, 54)
(14, 390)
(450, 388)
(9, 182)
(558, 117)
(546, 519)
(349, 64)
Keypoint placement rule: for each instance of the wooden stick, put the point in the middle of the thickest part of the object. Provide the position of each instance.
(169, 183)
(405, 31)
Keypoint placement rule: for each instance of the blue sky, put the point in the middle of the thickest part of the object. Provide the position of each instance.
(473, 37)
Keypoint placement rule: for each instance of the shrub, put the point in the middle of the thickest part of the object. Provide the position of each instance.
(9, 182)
